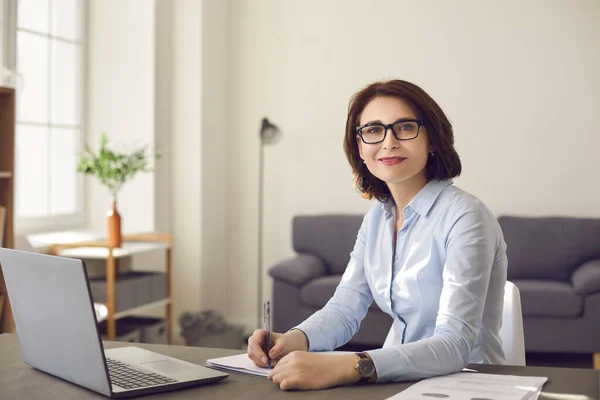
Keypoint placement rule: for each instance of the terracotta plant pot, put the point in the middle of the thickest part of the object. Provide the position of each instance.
(114, 226)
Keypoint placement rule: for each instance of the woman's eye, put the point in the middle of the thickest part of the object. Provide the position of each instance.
(374, 130)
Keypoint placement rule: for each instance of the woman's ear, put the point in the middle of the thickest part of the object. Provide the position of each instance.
(431, 149)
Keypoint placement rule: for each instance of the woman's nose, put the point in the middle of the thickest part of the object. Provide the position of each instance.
(390, 141)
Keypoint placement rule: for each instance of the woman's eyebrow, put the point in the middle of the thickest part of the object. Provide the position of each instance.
(378, 121)
(375, 121)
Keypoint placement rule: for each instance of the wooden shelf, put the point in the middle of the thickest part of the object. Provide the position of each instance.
(7, 168)
(139, 309)
(132, 244)
(133, 310)
(101, 253)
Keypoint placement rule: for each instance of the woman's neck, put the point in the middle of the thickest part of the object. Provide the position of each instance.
(404, 192)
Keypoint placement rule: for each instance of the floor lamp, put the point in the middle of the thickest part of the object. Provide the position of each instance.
(269, 134)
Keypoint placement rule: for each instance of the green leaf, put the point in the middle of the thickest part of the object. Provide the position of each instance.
(112, 168)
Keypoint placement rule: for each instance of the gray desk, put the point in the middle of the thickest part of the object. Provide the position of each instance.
(19, 381)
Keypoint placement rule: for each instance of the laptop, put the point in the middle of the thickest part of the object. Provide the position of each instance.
(58, 332)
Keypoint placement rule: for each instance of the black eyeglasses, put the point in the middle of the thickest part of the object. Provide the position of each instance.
(403, 129)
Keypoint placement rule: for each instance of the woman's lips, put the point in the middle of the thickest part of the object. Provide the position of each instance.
(388, 161)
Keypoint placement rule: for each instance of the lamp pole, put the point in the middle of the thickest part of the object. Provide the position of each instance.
(261, 163)
(269, 134)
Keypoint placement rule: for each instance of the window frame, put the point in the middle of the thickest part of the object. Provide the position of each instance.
(56, 222)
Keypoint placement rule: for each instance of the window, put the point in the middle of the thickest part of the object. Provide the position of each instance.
(4, 39)
(49, 54)
(2, 36)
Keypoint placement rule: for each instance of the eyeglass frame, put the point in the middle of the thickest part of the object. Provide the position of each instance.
(389, 127)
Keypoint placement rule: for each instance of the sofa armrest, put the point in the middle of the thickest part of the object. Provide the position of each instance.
(586, 278)
(298, 270)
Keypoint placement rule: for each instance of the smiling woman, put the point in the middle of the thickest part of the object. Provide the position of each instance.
(429, 254)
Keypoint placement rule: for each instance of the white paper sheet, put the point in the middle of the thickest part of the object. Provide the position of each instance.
(474, 386)
(238, 363)
(242, 364)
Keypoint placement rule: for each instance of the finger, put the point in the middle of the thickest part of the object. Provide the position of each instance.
(253, 357)
(277, 350)
(255, 349)
(282, 361)
(278, 376)
(288, 384)
(286, 381)
(277, 369)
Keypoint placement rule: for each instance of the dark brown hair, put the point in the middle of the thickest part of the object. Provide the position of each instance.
(444, 165)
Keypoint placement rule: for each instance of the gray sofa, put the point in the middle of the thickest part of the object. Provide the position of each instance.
(555, 263)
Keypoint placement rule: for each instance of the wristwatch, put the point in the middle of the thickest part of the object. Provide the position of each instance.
(365, 368)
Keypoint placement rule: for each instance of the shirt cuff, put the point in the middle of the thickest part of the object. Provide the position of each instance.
(316, 340)
(389, 363)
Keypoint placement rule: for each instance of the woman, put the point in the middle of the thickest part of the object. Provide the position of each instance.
(429, 254)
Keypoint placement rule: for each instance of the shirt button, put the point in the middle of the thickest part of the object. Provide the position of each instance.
(396, 257)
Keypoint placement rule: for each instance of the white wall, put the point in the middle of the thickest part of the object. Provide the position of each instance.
(198, 137)
(186, 144)
(121, 102)
(215, 157)
(159, 75)
(518, 79)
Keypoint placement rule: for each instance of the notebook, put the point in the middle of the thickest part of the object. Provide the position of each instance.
(242, 364)
(239, 363)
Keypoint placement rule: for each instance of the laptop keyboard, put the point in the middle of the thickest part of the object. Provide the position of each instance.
(126, 377)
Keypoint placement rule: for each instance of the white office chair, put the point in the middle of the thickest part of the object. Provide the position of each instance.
(511, 331)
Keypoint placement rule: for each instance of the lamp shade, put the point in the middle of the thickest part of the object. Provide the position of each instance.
(269, 133)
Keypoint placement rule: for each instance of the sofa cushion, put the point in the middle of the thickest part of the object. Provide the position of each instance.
(549, 299)
(329, 237)
(549, 248)
(586, 279)
(298, 270)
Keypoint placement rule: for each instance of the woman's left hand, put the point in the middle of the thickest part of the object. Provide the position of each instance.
(303, 370)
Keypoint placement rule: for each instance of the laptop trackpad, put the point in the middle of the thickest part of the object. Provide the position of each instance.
(167, 366)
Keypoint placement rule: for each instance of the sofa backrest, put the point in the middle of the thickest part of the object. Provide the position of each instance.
(549, 247)
(330, 237)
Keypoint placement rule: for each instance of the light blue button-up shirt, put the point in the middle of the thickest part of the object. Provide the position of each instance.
(443, 286)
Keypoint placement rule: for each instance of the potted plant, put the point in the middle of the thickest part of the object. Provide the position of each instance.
(113, 169)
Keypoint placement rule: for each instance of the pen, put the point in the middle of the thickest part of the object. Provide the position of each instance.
(267, 321)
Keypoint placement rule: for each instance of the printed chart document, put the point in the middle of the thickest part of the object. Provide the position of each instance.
(474, 386)
(238, 363)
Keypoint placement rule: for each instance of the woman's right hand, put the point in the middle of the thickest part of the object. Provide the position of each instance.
(281, 345)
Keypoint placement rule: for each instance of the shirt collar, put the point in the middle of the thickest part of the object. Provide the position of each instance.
(424, 200)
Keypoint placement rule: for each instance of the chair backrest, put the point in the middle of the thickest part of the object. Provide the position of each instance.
(511, 331)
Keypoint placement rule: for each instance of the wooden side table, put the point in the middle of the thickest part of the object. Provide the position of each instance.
(131, 244)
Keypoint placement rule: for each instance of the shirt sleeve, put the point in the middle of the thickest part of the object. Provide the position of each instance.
(471, 249)
(336, 323)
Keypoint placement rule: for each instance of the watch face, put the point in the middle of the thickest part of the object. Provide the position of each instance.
(366, 367)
